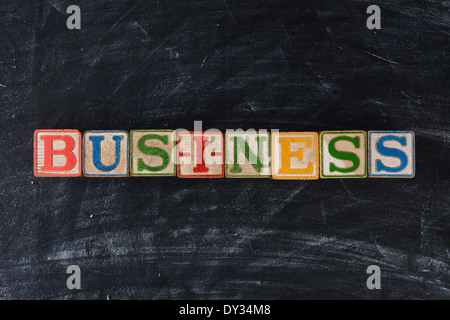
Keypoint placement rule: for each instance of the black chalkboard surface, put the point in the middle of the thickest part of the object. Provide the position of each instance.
(290, 65)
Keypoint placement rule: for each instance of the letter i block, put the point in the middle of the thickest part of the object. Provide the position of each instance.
(295, 155)
(200, 154)
(247, 154)
(105, 153)
(391, 154)
(152, 153)
(57, 153)
(343, 154)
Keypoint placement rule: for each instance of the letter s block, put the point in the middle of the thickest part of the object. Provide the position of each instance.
(152, 153)
(391, 154)
(57, 153)
(105, 153)
(295, 155)
(343, 154)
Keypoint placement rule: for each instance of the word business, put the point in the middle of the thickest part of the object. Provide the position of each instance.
(235, 154)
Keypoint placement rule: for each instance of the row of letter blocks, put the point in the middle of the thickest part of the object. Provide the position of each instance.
(242, 154)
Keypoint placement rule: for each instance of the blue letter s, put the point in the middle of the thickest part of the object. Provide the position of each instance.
(388, 152)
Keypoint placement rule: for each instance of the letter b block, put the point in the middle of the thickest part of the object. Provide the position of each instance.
(152, 153)
(343, 154)
(105, 153)
(295, 155)
(391, 154)
(57, 153)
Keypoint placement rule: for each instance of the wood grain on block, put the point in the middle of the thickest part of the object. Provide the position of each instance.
(295, 155)
(343, 154)
(105, 153)
(57, 153)
(247, 154)
(200, 154)
(391, 154)
(152, 153)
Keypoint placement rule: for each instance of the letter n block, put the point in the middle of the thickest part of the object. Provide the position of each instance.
(200, 154)
(57, 153)
(247, 154)
(391, 154)
(295, 155)
(105, 153)
(343, 154)
(152, 153)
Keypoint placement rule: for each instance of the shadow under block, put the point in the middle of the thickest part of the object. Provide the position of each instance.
(247, 154)
(391, 154)
(295, 156)
(200, 154)
(343, 154)
(152, 153)
(105, 153)
(57, 153)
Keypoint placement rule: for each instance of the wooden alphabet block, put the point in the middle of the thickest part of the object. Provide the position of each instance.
(105, 153)
(343, 154)
(57, 153)
(200, 154)
(295, 155)
(247, 154)
(391, 154)
(152, 153)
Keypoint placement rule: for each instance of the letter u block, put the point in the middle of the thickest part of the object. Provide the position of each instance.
(152, 153)
(391, 154)
(57, 153)
(343, 154)
(295, 155)
(105, 153)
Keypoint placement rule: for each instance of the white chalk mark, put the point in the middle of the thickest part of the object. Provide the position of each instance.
(378, 57)
(118, 20)
(416, 101)
(137, 24)
(231, 14)
(203, 61)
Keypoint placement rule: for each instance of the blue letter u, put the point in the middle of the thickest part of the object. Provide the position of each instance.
(96, 153)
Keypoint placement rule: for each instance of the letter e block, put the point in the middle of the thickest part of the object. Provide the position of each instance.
(152, 153)
(57, 153)
(391, 154)
(295, 155)
(343, 154)
(105, 153)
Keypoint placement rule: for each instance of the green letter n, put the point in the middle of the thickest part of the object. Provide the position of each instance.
(249, 155)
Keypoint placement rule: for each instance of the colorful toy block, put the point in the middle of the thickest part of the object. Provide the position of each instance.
(343, 154)
(200, 154)
(152, 153)
(105, 153)
(391, 154)
(295, 156)
(247, 154)
(57, 153)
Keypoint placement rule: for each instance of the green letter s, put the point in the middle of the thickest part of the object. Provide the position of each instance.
(350, 156)
(153, 151)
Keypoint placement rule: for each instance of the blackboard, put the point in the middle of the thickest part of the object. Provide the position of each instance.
(289, 65)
